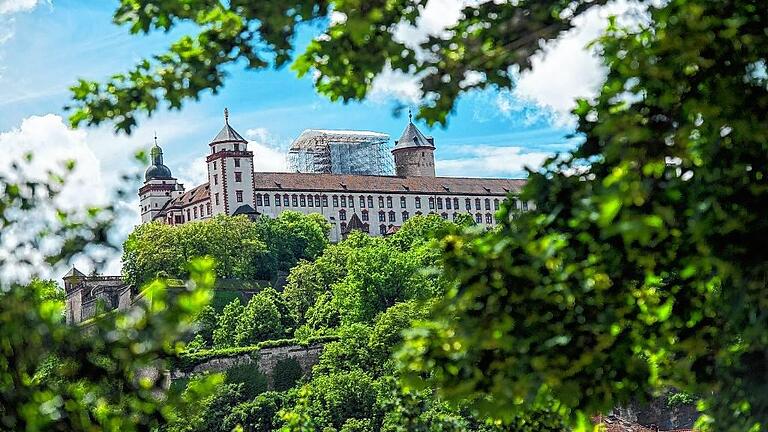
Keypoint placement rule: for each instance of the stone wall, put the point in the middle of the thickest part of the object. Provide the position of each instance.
(263, 361)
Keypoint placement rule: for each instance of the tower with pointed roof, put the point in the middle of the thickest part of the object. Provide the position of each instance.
(159, 186)
(414, 153)
(230, 172)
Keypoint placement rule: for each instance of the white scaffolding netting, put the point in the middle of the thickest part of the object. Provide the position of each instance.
(341, 152)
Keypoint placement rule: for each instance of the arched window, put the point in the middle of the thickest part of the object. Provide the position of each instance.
(431, 203)
(477, 203)
(455, 203)
(294, 200)
(444, 215)
(402, 202)
(496, 204)
(381, 202)
(303, 200)
(454, 216)
(285, 200)
(310, 201)
(382, 216)
(277, 200)
(343, 226)
(370, 201)
(259, 200)
(351, 201)
(487, 203)
(447, 203)
(405, 216)
(343, 201)
(362, 201)
(194, 212)
(392, 216)
(382, 229)
(317, 201)
(335, 200)
(367, 228)
(325, 200)
(418, 202)
(266, 200)
(389, 202)
(342, 214)
(364, 215)
(439, 203)
(488, 218)
(478, 218)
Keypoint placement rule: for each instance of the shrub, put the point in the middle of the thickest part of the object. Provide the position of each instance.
(286, 374)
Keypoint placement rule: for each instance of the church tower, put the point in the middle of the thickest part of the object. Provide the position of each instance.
(159, 186)
(414, 153)
(230, 172)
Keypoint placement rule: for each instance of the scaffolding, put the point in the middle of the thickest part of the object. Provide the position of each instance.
(341, 152)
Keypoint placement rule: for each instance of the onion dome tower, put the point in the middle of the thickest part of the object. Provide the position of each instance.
(159, 186)
(230, 171)
(414, 152)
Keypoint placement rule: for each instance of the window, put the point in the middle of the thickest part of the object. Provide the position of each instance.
(381, 202)
(208, 205)
(214, 165)
(259, 200)
(514, 203)
(342, 214)
(194, 212)
(237, 161)
(370, 202)
(343, 226)
(382, 229)
(201, 210)
(351, 201)
(431, 203)
(389, 202)
(487, 203)
(294, 200)
(238, 176)
(478, 218)
(277, 200)
(364, 215)
(454, 217)
(488, 218)
(237, 148)
(325, 200)
(525, 205)
(310, 201)
(216, 198)
(455, 203)
(362, 201)
(343, 201)
(418, 202)
(477, 203)
(405, 216)
(178, 219)
(382, 216)
(447, 203)
(402, 202)
(189, 217)
(468, 204)
(215, 179)
(239, 196)
(391, 216)
(266, 200)
(317, 200)
(303, 200)
(444, 215)
(286, 203)
(496, 204)
(335, 201)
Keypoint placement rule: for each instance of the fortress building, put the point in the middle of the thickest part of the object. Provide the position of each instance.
(343, 175)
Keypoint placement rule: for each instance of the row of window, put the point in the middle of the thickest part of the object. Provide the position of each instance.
(439, 203)
(195, 212)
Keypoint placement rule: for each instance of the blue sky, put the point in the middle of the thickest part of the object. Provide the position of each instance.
(45, 45)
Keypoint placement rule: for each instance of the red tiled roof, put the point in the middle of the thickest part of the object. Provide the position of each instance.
(386, 184)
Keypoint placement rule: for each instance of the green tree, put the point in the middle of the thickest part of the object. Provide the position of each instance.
(258, 415)
(260, 320)
(225, 334)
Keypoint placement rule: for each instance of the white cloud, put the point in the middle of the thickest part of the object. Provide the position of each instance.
(14, 6)
(565, 69)
(490, 161)
(391, 84)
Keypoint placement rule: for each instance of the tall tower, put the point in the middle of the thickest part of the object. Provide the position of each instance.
(230, 172)
(159, 186)
(414, 153)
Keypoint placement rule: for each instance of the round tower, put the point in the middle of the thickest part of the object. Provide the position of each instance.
(414, 153)
(159, 186)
